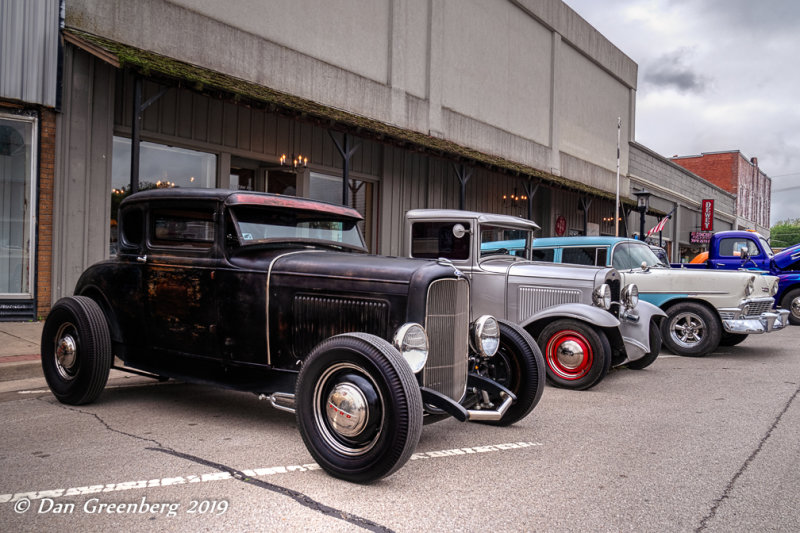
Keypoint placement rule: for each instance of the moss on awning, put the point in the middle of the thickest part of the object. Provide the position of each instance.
(154, 65)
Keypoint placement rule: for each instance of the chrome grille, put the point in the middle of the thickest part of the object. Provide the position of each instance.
(316, 318)
(756, 307)
(447, 325)
(534, 299)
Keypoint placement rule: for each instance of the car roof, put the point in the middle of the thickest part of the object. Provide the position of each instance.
(582, 241)
(457, 214)
(232, 197)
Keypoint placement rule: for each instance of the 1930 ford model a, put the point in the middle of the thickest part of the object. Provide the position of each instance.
(276, 295)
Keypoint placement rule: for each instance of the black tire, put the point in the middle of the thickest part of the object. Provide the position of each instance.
(731, 339)
(791, 301)
(76, 350)
(366, 371)
(574, 372)
(655, 347)
(518, 365)
(691, 329)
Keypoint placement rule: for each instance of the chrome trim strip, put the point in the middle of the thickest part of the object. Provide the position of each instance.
(266, 296)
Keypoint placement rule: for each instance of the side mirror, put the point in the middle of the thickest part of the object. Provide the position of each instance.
(459, 231)
(744, 255)
(645, 268)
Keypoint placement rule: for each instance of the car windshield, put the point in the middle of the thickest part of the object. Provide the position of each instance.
(765, 245)
(496, 240)
(631, 255)
(262, 226)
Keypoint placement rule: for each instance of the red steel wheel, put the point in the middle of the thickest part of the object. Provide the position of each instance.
(578, 356)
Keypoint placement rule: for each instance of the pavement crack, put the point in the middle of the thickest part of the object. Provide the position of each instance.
(299, 497)
(729, 487)
(106, 425)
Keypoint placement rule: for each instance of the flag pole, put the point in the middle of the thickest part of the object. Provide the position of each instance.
(616, 204)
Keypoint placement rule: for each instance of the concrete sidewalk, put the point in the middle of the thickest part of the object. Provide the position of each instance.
(19, 350)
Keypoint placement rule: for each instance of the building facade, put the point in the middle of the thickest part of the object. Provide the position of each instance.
(733, 172)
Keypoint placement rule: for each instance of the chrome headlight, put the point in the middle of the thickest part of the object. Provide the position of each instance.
(748, 290)
(412, 342)
(746, 310)
(630, 296)
(774, 290)
(602, 296)
(486, 335)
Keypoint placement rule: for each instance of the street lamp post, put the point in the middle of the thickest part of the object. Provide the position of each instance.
(642, 202)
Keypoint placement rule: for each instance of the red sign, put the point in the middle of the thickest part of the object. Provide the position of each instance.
(561, 225)
(707, 216)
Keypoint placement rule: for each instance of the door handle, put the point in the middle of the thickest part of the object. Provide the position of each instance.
(142, 258)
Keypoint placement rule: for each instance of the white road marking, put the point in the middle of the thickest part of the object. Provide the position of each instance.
(255, 472)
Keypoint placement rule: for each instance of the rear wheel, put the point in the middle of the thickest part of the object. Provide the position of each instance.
(577, 355)
(691, 329)
(791, 301)
(359, 408)
(518, 366)
(76, 350)
(655, 347)
(731, 339)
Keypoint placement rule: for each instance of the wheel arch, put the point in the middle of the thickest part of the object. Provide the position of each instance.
(98, 296)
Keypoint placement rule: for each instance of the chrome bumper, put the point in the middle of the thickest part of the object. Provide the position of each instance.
(773, 320)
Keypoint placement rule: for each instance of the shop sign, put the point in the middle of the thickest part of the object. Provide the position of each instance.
(700, 237)
(707, 216)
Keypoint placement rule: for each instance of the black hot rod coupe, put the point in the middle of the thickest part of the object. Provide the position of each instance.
(276, 295)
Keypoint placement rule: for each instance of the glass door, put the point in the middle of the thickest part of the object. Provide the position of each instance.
(17, 223)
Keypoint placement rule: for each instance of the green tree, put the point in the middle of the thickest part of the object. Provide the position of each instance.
(785, 233)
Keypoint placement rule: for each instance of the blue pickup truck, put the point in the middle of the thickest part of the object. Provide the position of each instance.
(733, 250)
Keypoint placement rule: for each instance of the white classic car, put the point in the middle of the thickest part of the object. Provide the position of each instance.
(704, 308)
(583, 318)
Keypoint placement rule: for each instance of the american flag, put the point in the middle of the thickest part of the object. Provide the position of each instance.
(660, 226)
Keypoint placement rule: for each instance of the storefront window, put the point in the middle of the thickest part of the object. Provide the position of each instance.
(160, 166)
(17, 164)
(329, 189)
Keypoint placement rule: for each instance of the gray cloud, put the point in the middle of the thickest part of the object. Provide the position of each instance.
(672, 70)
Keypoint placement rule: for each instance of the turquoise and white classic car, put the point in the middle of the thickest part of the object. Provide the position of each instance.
(704, 309)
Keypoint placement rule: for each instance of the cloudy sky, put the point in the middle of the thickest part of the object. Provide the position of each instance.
(714, 75)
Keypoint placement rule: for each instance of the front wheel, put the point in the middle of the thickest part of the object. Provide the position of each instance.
(577, 355)
(76, 350)
(655, 347)
(791, 301)
(359, 408)
(519, 366)
(691, 329)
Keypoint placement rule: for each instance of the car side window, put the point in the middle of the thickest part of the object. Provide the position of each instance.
(192, 229)
(579, 255)
(132, 226)
(543, 254)
(732, 247)
(431, 240)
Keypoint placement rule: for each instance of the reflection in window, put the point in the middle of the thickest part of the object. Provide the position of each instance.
(432, 240)
(160, 166)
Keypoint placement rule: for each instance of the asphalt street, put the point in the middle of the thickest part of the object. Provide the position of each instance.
(687, 444)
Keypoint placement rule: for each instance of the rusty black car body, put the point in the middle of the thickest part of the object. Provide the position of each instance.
(276, 295)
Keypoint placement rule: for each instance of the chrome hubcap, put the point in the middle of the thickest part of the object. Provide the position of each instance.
(570, 354)
(687, 329)
(348, 410)
(795, 307)
(66, 352)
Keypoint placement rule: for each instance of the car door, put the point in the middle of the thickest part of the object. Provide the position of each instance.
(179, 281)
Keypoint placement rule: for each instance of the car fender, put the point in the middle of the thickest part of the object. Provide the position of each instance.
(586, 313)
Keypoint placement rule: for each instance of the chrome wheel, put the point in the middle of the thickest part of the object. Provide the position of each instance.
(794, 308)
(66, 351)
(687, 329)
(348, 409)
(569, 354)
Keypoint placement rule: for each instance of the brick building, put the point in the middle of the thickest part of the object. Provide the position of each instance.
(733, 172)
